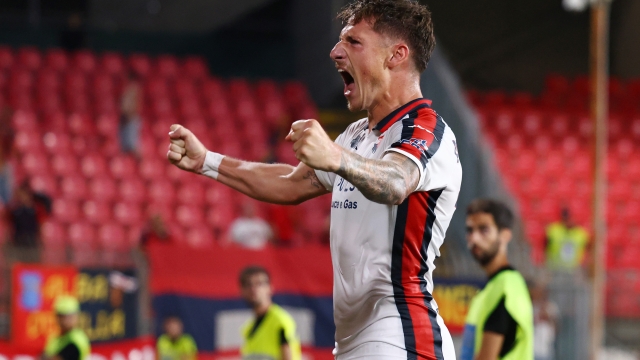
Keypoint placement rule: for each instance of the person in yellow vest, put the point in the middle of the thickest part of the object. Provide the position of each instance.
(174, 344)
(72, 343)
(566, 243)
(271, 333)
(499, 324)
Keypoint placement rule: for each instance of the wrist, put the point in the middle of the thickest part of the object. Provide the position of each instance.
(211, 164)
(336, 162)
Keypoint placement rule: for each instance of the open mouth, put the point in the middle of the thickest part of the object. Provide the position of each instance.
(349, 82)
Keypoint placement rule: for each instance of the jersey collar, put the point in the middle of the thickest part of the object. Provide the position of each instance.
(400, 112)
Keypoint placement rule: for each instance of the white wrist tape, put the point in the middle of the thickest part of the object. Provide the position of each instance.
(211, 163)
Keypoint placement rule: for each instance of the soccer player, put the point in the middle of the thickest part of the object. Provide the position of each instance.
(499, 324)
(271, 334)
(394, 178)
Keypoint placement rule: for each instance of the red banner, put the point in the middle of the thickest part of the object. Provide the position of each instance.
(34, 289)
(136, 349)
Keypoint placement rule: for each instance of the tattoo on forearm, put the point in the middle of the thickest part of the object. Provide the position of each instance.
(382, 181)
(313, 178)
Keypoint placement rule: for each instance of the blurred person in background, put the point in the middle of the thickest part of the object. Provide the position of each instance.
(155, 232)
(566, 243)
(546, 316)
(499, 323)
(249, 230)
(130, 115)
(271, 334)
(71, 343)
(7, 136)
(174, 344)
(389, 174)
(27, 213)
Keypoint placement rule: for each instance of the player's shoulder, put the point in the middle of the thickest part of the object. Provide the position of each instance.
(281, 314)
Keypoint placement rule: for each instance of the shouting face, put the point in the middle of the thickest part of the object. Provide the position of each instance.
(361, 57)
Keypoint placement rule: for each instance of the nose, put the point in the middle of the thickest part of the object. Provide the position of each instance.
(472, 238)
(337, 53)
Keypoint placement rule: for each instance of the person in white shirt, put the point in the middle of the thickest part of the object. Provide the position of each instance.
(249, 230)
(394, 177)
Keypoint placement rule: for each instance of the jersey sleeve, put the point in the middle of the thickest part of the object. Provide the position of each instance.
(430, 144)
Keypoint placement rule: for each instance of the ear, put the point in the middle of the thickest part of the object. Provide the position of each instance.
(399, 55)
(505, 235)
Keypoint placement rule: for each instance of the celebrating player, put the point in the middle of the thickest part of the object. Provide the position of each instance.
(394, 177)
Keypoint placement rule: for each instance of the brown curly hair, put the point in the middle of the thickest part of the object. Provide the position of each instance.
(403, 19)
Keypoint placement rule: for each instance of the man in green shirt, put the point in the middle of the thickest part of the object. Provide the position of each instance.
(271, 334)
(72, 343)
(174, 344)
(566, 243)
(499, 323)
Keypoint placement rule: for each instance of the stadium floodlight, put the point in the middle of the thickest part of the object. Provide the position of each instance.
(575, 5)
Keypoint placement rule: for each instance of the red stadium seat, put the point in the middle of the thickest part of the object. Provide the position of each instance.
(213, 90)
(6, 57)
(167, 66)
(24, 121)
(64, 164)
(189, 107)
(151, 169)
(161, 191)
(123, 167)
(556, 84)
(112, 237)
(195, 67)
(75, 82)
(140, 64)
(56, 59)
(48, 81)
(112, 63)
(74, 187)
(103, 85)
(65, 210)
(85, 61)
(185, 88)
(199, 237)
(219, 218)
(96, 212)
(188, 216)
(53, 234)
(127, 213)
(55, 122)
(157, 88)
(107, 126)
(57, 143)
(132, 190)
(35, 163)
(29, 58)
(82, 236)
(191, 193)
(81, 125)
(102, 189)
(93, 165)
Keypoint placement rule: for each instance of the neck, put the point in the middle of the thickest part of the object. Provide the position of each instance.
(396, 95)
(262, 309)
(496, 264)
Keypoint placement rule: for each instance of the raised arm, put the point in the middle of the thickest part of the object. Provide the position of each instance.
(389, 180)
(274, 183)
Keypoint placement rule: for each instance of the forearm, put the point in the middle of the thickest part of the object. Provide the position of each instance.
(382, 181)
(273, 183)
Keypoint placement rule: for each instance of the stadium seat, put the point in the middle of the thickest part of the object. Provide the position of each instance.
(81, 125)
(161, 191)
(219, 219)
(164, 210)
(82, 236)
(53, 234)
(167, 66)
(107, 126)
(112, 63)
(132, 190)
(24, 121)
(96, 212)
(35, 163)
(44, 183)
(140, 64)
(48, 81)
(73, 187)
(29, 58)
(122, 167)
(57, 143)
(6, 57)
(195, 67)
(103, 85)
(151, 169)
(93, 165)
(65, 210)
(188, 216)
(213, 90)
(191, 193)
(64, 164)
(75, 83)
(199, 237)
(127, 213)
(102, 189)
(112, 236)
(174, 174)
(85, 61)
(185, 88)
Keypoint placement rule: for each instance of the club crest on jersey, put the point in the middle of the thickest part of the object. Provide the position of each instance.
(420, 144)
(375, 146)
(357, 140)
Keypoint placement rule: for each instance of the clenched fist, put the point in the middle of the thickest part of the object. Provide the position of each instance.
(185, 150)
(313, 146)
